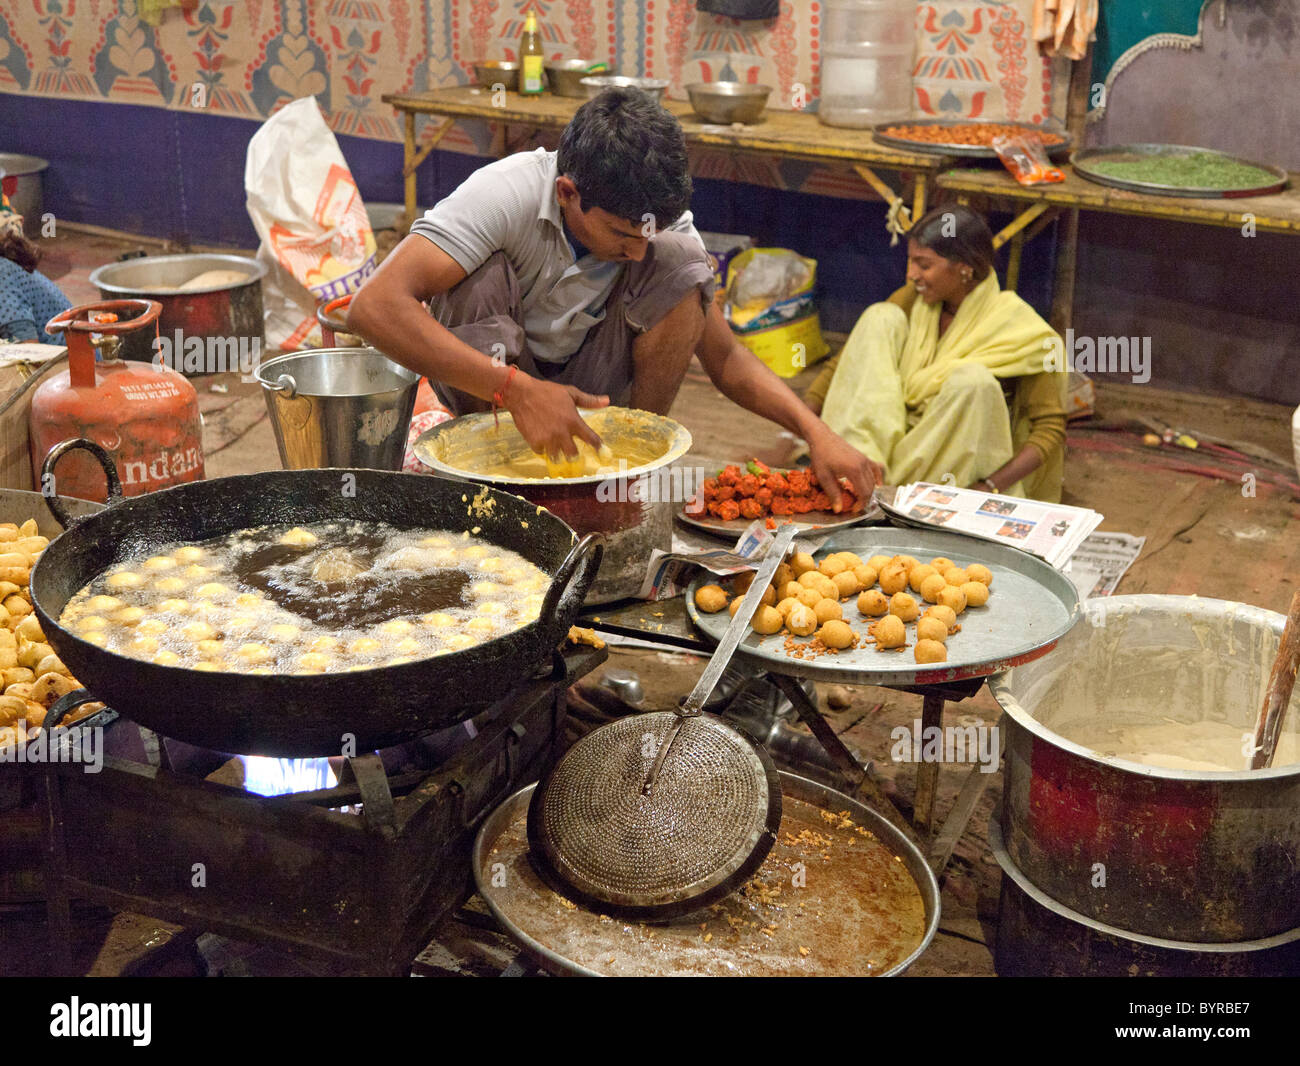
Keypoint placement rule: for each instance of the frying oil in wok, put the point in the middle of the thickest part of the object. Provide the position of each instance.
(317, 599)
(291, 576)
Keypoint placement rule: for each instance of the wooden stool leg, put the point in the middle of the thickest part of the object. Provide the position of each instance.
(858, 780)
(927, 771)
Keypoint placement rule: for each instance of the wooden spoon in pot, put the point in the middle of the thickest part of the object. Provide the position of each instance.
(1278, 695)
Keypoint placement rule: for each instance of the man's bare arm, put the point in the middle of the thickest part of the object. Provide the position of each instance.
(744, 379)
(389, 313)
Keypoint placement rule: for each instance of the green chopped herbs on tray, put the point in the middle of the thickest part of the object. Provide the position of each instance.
(1198, 170)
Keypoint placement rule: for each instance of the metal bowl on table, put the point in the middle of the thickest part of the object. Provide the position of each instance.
(597, 85)
(498, 72)
(725, 102)
(564, 76)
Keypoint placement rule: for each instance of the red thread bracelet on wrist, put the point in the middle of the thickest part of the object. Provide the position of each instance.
(499, 397)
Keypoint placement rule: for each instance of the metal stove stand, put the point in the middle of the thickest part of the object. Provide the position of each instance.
(357, 891)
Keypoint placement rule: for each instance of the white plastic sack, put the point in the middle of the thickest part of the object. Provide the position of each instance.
(316, 238)
(768, 279)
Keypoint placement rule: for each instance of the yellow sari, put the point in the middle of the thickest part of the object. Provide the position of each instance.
(925, 406)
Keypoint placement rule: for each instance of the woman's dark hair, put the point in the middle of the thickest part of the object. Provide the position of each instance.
(627, 156)
(956, 232)
(18, 249)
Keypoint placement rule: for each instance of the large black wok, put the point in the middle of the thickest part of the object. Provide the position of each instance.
(317, 714)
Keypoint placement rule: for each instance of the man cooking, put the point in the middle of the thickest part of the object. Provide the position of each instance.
(553, 280)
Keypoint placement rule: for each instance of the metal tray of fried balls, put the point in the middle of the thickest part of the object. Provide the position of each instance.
(897, 606)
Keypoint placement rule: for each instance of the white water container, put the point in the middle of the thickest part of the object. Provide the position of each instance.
(866, 62)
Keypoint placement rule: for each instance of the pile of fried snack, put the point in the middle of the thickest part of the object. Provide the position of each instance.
(32, 676)
(806, 599)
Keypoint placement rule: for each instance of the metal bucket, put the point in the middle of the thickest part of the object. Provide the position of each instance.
(632, 510)
(27, 198)
(230, 315)
(1190, 854)
(331, 407)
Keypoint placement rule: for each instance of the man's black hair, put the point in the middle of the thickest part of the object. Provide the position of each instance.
(627, 156)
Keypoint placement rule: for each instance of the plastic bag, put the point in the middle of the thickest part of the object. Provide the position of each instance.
(1024, 155)
(768, 279)
(316, 238)
(772, 308)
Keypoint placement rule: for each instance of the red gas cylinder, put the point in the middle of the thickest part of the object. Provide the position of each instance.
(145, 416)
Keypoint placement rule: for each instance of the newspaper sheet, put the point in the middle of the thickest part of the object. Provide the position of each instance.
(1052, 531)
(1101, 561)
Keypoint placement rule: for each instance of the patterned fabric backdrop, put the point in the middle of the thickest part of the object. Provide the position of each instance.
(247, 58)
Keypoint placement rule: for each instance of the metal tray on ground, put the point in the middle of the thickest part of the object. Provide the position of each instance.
(954, 148)
(569, 940)
(1031, 607)
(1083, 161)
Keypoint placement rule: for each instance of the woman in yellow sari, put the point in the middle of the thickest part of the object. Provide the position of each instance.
(948, 377)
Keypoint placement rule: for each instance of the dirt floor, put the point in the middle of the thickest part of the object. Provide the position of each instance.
(1216, 526)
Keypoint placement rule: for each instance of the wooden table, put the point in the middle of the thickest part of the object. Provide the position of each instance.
(1040, 204)
(787, 134)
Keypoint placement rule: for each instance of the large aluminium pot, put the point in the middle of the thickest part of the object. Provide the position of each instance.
(300, 715)
(633, 509)
(1188, 854)
(226, 319)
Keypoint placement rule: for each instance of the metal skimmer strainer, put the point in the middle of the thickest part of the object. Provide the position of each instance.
(659, 814)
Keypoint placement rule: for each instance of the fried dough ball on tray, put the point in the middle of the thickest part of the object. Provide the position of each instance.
(710, 598)
(931, 628)
(873, 602)
(930, 651)
(889, 632)
(836, 634)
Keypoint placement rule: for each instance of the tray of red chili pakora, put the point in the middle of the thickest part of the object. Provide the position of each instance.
(739, 494)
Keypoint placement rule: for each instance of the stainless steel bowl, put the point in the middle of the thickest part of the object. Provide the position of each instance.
(597, 85)
(498, 72)
(564, 77)
(725, 102)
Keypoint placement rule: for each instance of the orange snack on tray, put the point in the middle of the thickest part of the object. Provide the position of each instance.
(756, 491)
